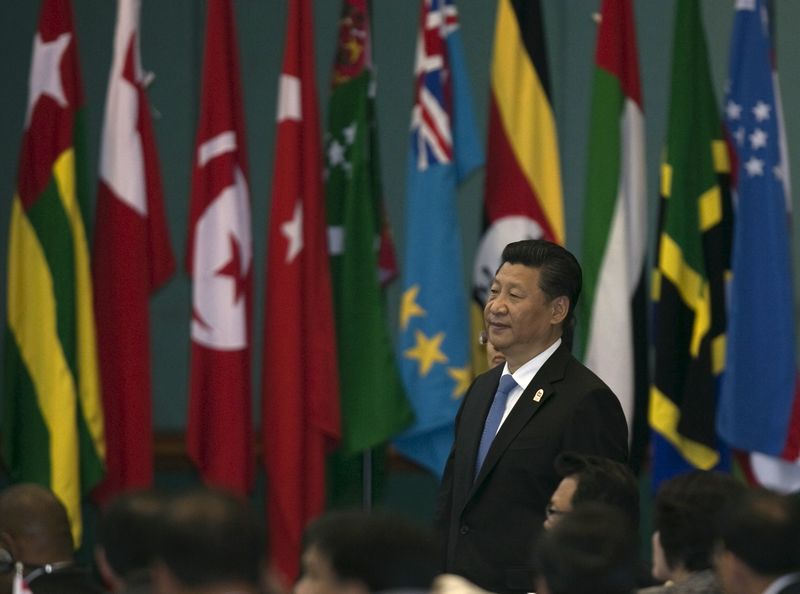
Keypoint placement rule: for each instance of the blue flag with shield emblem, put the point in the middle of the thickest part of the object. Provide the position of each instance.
(434, 350)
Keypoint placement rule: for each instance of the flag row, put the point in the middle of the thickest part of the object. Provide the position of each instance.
(702, 367)
(77, 411)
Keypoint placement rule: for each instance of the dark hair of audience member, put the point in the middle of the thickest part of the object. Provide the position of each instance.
(686, 516)
(128, 530)
(592, 550)
(382, 551)
(210, 536)
(762, 529)
(601, 480)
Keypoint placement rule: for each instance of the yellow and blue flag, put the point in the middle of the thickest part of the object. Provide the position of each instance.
(434, 326)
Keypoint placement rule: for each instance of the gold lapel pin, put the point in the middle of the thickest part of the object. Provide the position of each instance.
(538, 396)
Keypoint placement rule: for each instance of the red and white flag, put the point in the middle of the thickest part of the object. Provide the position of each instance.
(300, 396)
(132, 258)
(219, 432)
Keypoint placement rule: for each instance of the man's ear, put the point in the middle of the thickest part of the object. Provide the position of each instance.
(560, 307)
(164, 581)
(107, 574)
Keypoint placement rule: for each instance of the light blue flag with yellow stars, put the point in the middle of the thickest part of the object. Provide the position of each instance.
(434, 346)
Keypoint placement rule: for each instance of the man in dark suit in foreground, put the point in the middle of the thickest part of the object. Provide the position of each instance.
(497, 482)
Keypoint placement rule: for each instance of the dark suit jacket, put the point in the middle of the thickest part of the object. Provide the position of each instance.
(69, 580)
(488, 525)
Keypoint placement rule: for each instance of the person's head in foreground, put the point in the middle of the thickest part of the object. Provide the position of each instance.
(592, 550)
(34, 531)
(686, 515)
(587, 478)
(211, 541)
(759, 544)
(127, 536)
(358, 553)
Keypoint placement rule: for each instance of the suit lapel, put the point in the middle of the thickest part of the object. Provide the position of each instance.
(539, 390)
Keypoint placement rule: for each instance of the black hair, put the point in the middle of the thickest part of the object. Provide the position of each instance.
(592, 550)
(687, 509)
(128, 530)
(762, 529)
(381, 551)
(209, 536)
(601, 480)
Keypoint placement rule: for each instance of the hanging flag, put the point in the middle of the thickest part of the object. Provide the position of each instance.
(444, 150)
(132, 257)
(523, 172)
(52, 418)
(373, 405)
(299, 382)
(220, 252)
(760, 345)
(692, 259)
(614, 249)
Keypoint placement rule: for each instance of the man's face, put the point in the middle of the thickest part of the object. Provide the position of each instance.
(520, 320)
(560, 502)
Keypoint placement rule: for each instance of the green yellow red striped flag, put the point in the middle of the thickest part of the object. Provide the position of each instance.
(52, 420)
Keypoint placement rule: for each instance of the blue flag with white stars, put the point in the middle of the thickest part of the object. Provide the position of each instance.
(754, 409)
(434, 351)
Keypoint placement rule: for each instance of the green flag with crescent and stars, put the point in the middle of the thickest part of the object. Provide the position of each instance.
(374, 407)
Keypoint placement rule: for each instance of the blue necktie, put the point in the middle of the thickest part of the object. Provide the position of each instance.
(492, 424)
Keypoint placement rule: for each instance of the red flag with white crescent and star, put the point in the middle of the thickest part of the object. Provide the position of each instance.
(219, 432)
(132, 257)
(300, 395)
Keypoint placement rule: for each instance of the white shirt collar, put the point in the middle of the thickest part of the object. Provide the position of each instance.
(782, 582)
(526, 372)
(524, 376)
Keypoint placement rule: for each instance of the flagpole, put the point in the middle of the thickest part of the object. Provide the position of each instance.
(366, 478)
(366, 457)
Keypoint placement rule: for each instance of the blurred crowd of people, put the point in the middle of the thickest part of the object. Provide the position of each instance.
(712, 535)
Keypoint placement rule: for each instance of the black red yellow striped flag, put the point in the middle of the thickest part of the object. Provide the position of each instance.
(523, 196)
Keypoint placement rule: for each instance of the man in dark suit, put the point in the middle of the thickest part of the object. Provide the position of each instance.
(758, 551)
(498, 481)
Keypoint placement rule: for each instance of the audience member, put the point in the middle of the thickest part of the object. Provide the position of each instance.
(686, 516)
(493, 356)
(592, 550)
(758, 551)
(209, 541)
(586, 478)
(127, 540)
(35, 532)
(360, 553)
